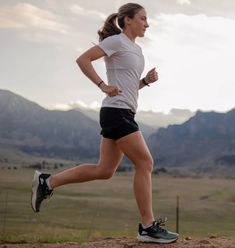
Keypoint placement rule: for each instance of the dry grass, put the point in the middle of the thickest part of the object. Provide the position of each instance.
(80, 212)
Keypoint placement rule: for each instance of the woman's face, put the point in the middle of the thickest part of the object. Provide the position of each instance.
(138, 24)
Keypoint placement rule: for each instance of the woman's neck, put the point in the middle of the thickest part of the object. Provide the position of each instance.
(130, 35)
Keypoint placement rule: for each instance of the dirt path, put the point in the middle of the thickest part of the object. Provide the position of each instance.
(221, 242)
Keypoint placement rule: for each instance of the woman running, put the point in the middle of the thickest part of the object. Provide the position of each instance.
(120, 133)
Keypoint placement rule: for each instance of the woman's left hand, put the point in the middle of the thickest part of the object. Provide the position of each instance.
(151, 76)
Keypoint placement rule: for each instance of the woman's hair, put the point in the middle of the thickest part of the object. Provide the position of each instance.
(110, 26)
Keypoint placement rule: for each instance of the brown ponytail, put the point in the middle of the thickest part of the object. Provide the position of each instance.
(110, 26)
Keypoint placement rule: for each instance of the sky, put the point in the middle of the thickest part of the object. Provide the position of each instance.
(190, 42)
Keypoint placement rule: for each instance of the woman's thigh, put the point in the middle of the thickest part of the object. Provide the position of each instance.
(110, 155)
(136, 149)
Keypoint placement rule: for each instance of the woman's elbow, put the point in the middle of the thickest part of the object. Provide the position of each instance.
(79, 60)
(82, 60)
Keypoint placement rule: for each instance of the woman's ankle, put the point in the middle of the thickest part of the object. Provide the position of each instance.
(147, 223)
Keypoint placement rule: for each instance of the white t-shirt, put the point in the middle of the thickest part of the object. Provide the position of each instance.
(125, 64)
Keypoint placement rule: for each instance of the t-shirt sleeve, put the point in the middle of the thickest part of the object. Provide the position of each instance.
(110, 45)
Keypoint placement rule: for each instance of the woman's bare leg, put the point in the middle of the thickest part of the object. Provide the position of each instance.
(135, 148)
(110, 158)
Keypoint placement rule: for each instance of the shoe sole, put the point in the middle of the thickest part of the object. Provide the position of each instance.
(148, 239)
(35, 184)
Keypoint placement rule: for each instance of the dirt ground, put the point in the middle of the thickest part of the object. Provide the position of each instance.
(212, 242)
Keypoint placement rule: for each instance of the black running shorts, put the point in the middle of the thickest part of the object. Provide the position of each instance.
(117, 122)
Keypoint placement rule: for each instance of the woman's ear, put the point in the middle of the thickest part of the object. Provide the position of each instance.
(127, 20)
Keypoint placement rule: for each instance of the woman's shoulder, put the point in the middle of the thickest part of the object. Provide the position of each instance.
(115, 37)
(114, 41)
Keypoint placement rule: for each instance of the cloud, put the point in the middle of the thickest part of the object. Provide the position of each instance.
(191, 43)
(76, 9)
(183, 2)
(25, 15)
(78, 104)
(194, 56)
(198, 30)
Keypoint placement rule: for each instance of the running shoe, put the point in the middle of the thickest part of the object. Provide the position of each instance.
(156, 233)
(40, 190)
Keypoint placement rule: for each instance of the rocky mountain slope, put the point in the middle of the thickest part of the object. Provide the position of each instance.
(35, 130)
(206, 139)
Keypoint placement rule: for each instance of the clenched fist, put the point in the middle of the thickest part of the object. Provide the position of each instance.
(151, 76)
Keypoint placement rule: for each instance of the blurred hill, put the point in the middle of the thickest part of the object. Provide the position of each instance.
(71, 134)
(205, 140)
(152, 119)
(32, 129)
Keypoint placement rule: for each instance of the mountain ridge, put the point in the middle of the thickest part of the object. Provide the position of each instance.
(150, 118)
(33, 129)
(201, 141)
(205, 140)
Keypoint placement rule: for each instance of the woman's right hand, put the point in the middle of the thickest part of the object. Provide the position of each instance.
(110, 90)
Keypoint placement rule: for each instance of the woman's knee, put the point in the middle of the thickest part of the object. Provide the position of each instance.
(146, 165)
(105, 173)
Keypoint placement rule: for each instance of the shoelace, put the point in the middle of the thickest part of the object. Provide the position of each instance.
(159, 223)
(47, 192)
(49, 195)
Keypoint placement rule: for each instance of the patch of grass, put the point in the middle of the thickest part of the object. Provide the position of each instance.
(98, 209)
(13, 239)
